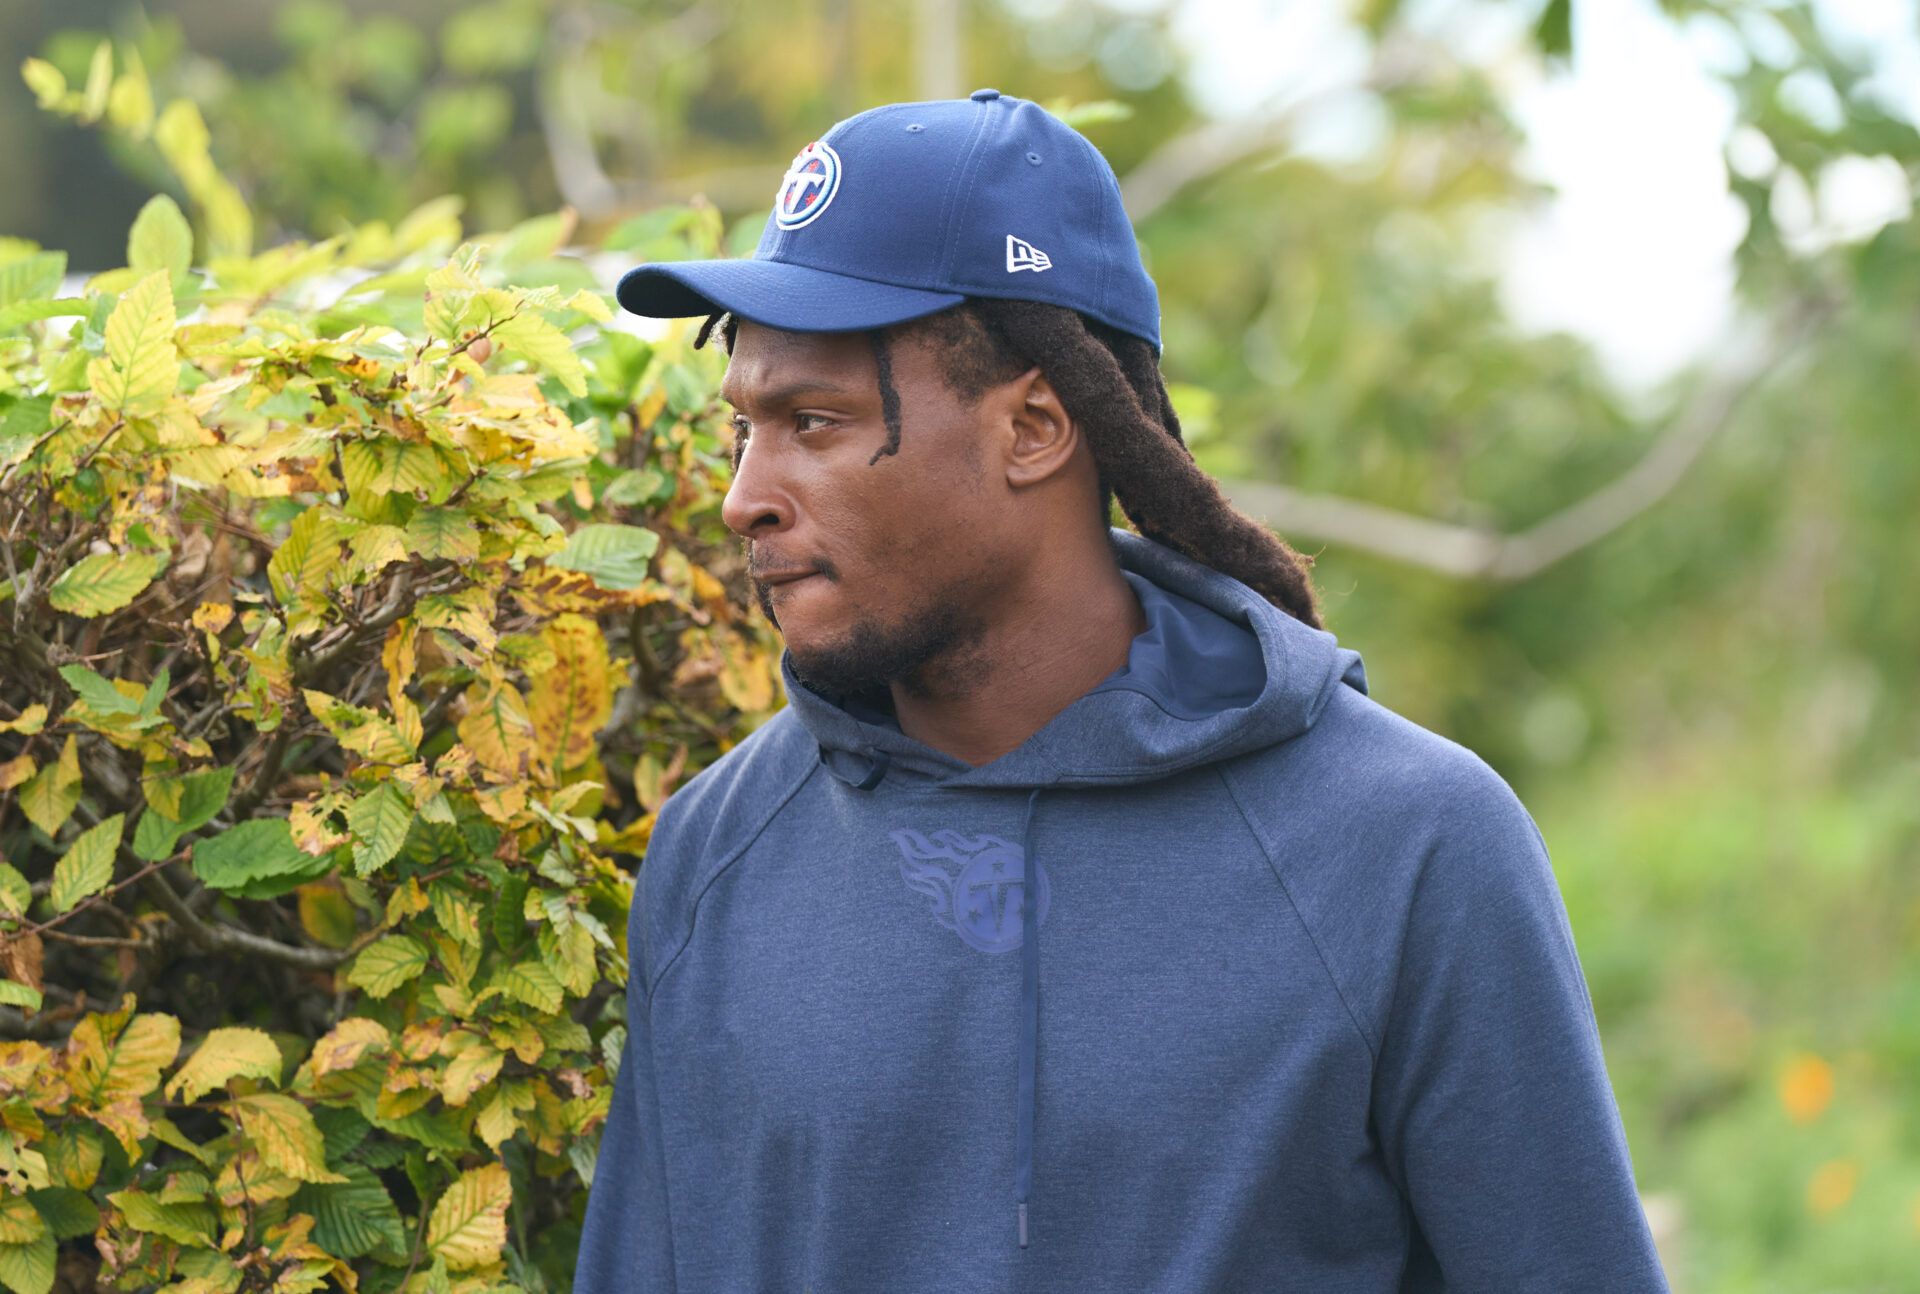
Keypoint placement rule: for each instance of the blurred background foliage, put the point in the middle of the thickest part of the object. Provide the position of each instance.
(1681, 622)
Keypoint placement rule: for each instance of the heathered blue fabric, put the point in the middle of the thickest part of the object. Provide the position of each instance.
(1308, 1016)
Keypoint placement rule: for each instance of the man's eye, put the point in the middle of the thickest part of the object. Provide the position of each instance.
(804, 418)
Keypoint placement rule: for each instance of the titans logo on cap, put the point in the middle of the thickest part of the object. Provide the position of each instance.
(809, 186)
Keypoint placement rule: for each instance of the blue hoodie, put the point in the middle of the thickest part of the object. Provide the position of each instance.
(1296, 1005)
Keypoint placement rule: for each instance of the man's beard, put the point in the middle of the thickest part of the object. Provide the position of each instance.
(872, 656)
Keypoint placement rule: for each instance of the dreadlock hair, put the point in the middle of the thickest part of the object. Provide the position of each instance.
(1110, 383)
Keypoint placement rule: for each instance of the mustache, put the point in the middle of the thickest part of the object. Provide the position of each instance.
(760, 564)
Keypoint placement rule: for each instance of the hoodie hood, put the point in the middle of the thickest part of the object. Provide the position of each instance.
(1218, 672)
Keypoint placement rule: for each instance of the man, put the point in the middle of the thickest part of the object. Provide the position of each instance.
(1081, 923)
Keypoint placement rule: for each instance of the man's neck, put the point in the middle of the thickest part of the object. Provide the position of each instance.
(1046, 649)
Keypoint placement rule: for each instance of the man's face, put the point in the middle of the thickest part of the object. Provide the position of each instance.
(897, 558)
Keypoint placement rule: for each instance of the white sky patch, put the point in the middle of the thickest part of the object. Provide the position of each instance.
(1252, 56)
(1634, 252)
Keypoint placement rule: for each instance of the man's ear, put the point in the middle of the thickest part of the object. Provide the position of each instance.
(1042, 435)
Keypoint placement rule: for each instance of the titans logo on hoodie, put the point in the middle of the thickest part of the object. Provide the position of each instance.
(1228, 978)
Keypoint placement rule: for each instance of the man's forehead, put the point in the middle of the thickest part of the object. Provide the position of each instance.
(769, 363)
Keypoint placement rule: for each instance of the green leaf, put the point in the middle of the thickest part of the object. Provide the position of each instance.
(161, 238)
(25, 422)
(392, 468)
(31, 277)
(101, 696)
(186, 1224)
(104, 582)
(48, 83)
(67, 1212)
(530, 983)
(353, 1218)
(24, 996)
(387, 963)
(256, 859)
(509, 917)
(142, 366)
(28, 1268)
(15, 891)
(534, 339)
(21, 312)
(615, 557)
(177, 805)
(379, 822)
(443, 532)
(87, 865)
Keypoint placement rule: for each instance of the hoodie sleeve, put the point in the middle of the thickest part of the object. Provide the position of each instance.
(1491, 1095)
(626, 1245)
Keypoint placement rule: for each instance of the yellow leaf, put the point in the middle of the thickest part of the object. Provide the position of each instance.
(49, 799)
(497, 1121)
(468, 1227)
(747, 678)
(398, 656)
(31, 720)
(284, 1133)
(469, 612)
(226, 1054)
(472, 1065)
(15, 771)
(349, 1040)
(573, 699)
(502, 803)
(20, 1222)
(117, 1055)
(456, 914)
(497, 728)
(372, 549)
(212, 617)
(104, 582)
(326, 915)
(141, 366)
(249, 1177)
(299, 567)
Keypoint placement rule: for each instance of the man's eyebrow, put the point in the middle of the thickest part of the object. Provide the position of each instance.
(789, 391)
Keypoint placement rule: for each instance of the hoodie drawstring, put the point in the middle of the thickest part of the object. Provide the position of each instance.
(1029, 1015)
(877, 764)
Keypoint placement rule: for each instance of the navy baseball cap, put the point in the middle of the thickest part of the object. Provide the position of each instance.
(909, 208)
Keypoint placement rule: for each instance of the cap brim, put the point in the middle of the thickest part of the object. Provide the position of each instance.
(792, 298)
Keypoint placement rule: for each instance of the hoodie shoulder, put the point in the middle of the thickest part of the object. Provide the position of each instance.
(1367, 811)
(703, 827)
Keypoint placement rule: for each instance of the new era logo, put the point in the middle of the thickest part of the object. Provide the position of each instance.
(1023, 255)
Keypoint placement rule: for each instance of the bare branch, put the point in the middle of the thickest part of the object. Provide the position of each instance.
(1470, 552)
(219, 938)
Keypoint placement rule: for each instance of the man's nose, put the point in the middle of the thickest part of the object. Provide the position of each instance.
(756, 502)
